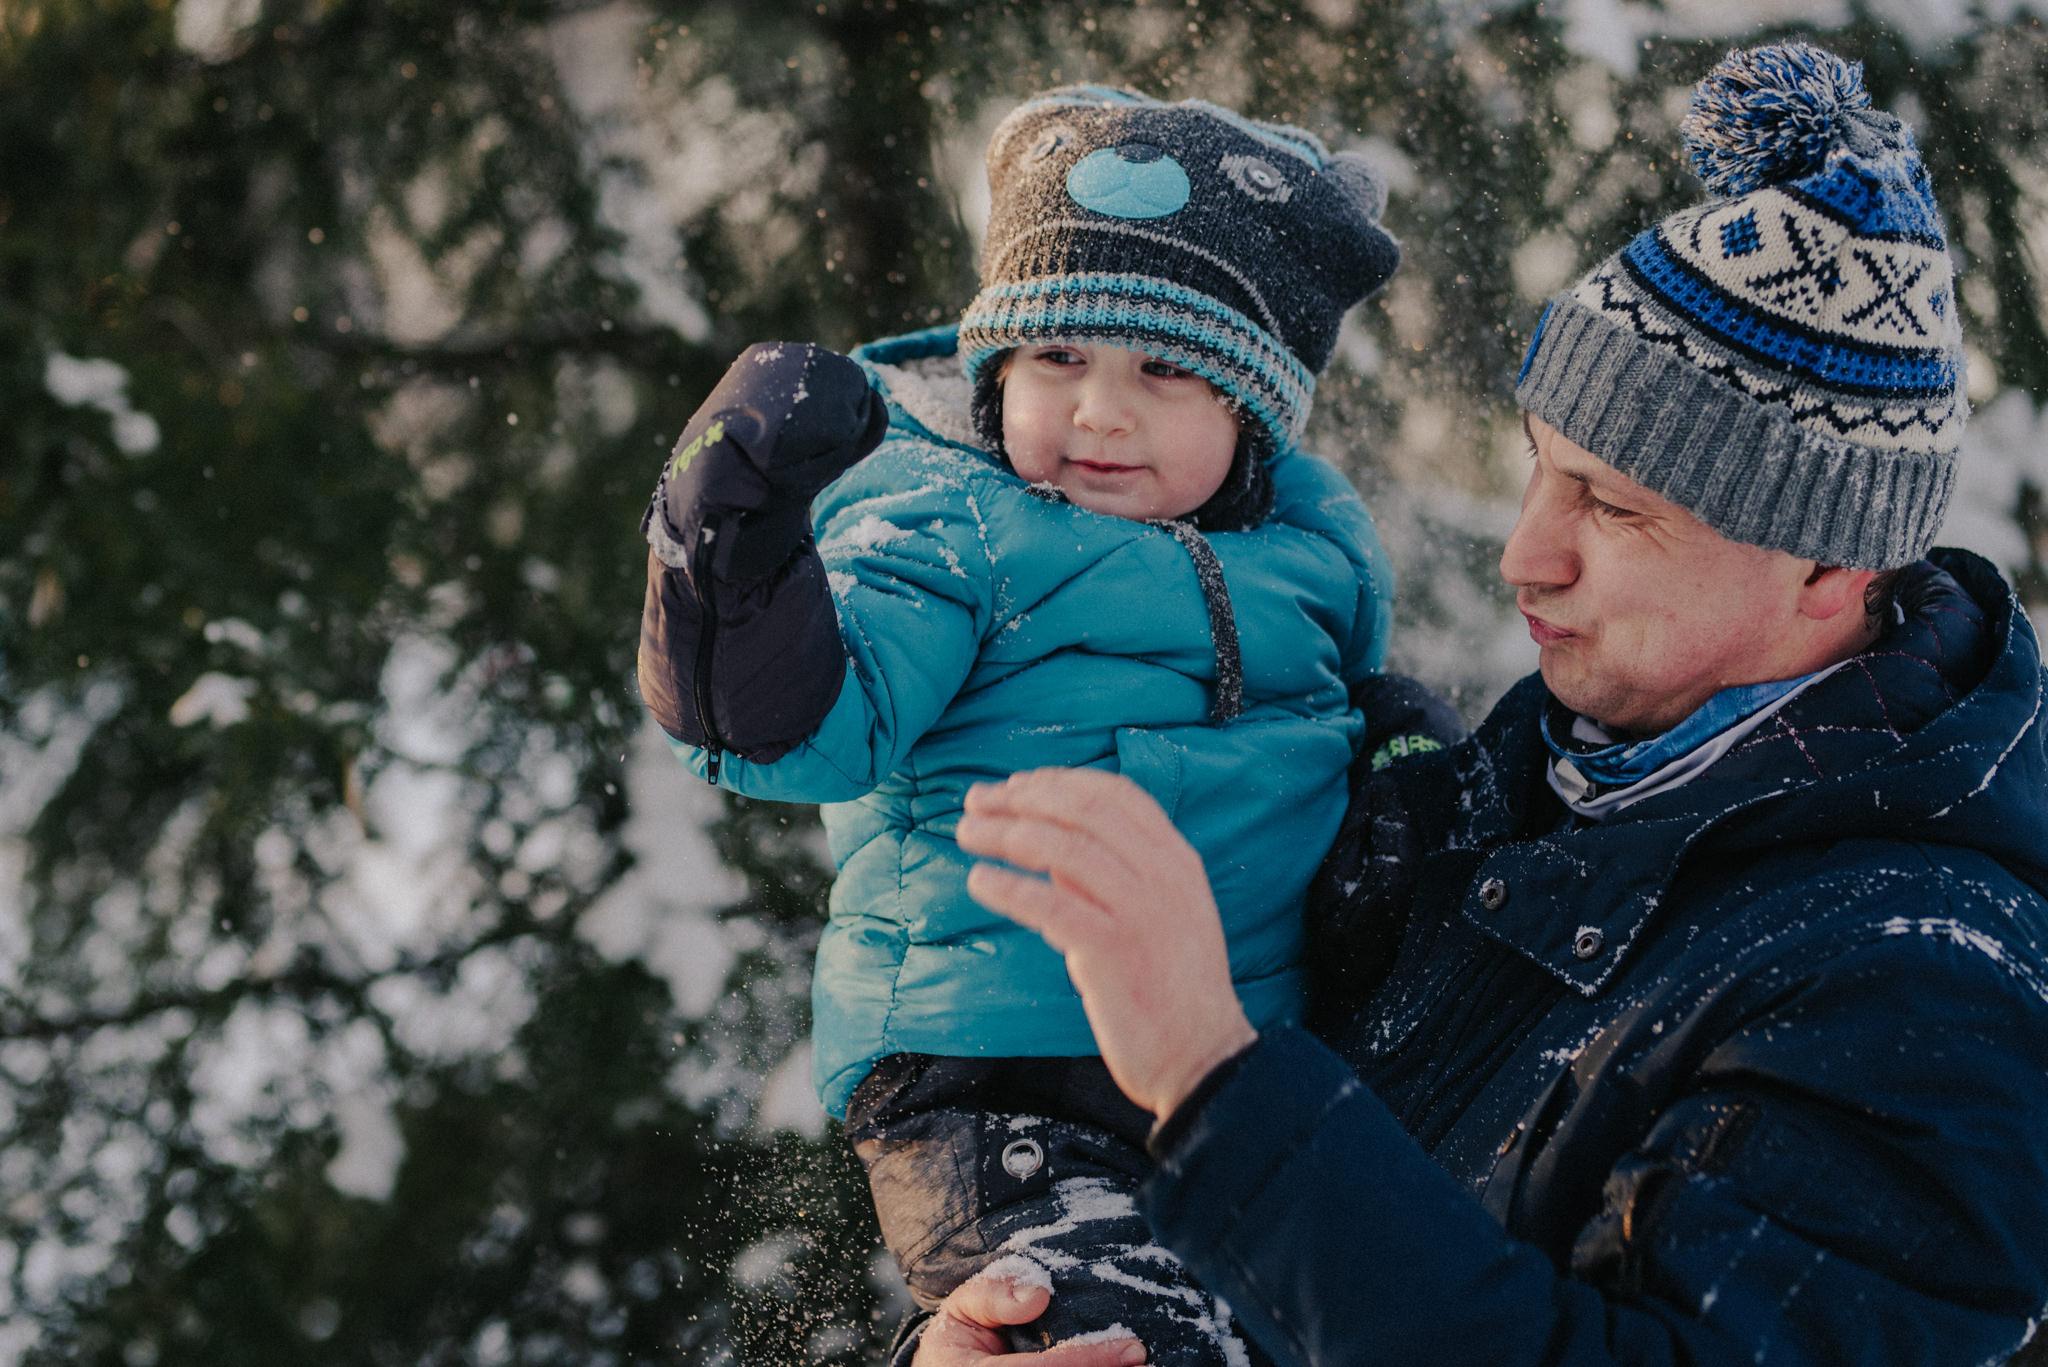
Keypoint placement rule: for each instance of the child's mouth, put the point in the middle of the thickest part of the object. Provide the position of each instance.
(1101, 467)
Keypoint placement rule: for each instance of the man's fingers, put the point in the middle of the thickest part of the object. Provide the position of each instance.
(1102, 839)
(967, 1331)
(1032, 842)
(1036, 904)
(1108, 810)
(1115, 1353)
(1055, 823)
(1086, 798)
(1080, 898)
(993, 1299)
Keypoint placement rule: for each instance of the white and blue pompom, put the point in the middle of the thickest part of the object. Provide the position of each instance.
(1769, 115)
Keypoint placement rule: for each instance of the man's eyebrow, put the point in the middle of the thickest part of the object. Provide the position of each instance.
(1583, 477)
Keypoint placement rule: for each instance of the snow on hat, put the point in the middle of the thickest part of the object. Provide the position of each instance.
(1227, 246)
(1785, 360)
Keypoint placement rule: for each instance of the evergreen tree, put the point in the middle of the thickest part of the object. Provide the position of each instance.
(360, 999)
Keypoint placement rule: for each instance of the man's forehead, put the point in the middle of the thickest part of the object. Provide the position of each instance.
(1576, 462)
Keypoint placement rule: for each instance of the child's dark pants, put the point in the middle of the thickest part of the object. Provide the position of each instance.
(974, 1160)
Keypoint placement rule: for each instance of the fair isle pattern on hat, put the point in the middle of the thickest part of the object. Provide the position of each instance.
(1226, 246)
(1786, 361)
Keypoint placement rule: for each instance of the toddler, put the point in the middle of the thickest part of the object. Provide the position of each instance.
(1086, 535)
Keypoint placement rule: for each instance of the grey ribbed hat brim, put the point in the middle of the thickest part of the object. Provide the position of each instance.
(1670, 426)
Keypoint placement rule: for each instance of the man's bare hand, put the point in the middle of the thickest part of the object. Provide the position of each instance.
(1127, 901)
(968, 1330)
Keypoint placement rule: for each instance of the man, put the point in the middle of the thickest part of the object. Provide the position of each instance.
(1696, 1008)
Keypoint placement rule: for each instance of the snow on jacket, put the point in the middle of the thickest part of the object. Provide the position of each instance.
(988, 629)
(1755, 1071)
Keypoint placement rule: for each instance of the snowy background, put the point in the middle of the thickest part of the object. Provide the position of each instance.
(374, 987)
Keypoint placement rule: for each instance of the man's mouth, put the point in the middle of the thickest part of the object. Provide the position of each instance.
(1544, 633)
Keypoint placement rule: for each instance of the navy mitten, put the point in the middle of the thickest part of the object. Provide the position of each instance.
(1403, 718)
(786, 420)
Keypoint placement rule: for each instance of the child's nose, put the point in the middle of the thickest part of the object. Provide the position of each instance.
(1104, 406)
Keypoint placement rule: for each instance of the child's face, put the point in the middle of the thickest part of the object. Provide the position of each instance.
(1117, 431)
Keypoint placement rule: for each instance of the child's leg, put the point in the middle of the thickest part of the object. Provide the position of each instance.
(959, 1187)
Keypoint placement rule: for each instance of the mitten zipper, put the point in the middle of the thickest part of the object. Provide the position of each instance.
(707, 603)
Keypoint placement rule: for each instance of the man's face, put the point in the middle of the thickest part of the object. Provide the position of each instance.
(1641, 611)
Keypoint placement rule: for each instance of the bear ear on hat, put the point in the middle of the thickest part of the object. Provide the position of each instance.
(1361, 182)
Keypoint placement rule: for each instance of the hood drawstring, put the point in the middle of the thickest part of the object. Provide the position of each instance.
(1222, 621)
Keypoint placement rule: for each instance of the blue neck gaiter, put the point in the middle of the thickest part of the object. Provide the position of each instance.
(1622, 763)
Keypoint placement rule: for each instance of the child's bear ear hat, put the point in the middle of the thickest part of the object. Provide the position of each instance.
(1227, 246)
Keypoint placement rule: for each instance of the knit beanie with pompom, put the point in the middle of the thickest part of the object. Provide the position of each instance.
(1784, 361)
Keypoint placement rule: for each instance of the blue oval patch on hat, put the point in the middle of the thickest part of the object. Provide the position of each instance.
(1137, 180)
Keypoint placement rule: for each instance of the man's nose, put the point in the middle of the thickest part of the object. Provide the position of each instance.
(1539, 552)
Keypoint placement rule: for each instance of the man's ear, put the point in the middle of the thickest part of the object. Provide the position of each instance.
(1830, 589)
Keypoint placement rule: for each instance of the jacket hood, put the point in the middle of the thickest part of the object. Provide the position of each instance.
(1936, 734)
(925, 382)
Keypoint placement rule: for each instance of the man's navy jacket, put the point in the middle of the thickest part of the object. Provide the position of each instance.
(1755, 1071)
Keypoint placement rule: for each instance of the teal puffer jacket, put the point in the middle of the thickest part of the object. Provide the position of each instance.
(990, 630)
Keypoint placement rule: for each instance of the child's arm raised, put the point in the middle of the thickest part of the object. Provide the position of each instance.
(733, 572)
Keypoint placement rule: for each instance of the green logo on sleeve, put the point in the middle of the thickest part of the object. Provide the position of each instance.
(1400, 747)
(708, 437)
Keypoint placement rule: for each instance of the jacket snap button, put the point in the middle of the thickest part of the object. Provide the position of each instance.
(1493, 894)
(1588, 944)
(1022, 1157)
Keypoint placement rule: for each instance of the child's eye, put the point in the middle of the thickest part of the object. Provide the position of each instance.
(1167, 370)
